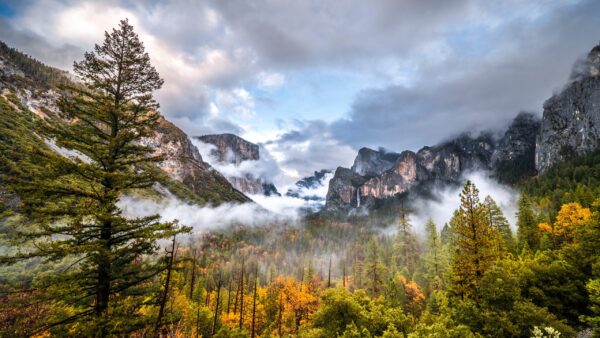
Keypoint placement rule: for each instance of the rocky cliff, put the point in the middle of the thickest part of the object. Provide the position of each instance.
(183, 162)
(234, 150)
(571, 119)
(308, 188)
(382, 175)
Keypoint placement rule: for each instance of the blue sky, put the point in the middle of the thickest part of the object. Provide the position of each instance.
(316, 80)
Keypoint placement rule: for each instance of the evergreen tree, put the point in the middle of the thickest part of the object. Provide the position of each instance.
(434, 259)
(374, 270)
(72, 203)
(528, 235)
(497, 221)
(476, 245)
(405, 245)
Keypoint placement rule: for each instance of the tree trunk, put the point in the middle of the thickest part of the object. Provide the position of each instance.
(216, 316)
(165, 294)
(253, 335)
(241, 292)
(193, 274)
(329, 274)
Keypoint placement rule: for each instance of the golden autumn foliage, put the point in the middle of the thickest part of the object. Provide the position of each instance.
(570, 216)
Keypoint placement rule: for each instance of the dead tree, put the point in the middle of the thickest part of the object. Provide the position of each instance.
(253, 335)
(165, 294)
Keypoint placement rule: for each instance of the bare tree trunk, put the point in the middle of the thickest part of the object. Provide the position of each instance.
(229, 294)
(344, 276)
(165, 294)
(193, 274)
(241, 291)
(216, 316)
(253, 335)
(329, 274)
(280, 316)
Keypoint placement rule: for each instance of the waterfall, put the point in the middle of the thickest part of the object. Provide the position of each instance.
(357, 197)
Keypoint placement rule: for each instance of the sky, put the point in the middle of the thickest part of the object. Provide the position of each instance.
(314, 81)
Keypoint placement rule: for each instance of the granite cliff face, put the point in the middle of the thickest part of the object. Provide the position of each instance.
(307, 187)
(514, 159)
(183, 162)
(232, 149)
(380, 175)
(571, 119)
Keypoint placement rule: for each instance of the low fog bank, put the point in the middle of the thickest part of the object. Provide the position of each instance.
(203, 218)
(448, 200)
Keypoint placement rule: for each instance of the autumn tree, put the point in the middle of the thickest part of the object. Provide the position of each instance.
(570, 216)
(476, 244)
(72, 202)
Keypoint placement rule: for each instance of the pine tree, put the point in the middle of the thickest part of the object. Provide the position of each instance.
(476, 245)
(528, 234)
(435, 257)
(71, 203)
(374, 270)
(497, 221)
(405, 246)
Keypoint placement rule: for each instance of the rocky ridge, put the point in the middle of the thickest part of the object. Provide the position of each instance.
(232, 149)
(571, 118)
(380, 175)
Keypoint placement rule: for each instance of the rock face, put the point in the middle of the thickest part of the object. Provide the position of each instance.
(371, 162)
(381, 175)
(232, 149)
(306, 187)
(514, 158)
(183, 162)
(571, 119)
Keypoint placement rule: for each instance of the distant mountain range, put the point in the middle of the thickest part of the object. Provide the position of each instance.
(570, 126)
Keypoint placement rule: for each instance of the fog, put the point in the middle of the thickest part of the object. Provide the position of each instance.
(448, 200)
(202, 218)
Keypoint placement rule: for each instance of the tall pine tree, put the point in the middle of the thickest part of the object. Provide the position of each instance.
(497, 221)
(405, 246)
(476, 245)
(435, 257)
(72, 203)
(528, 234)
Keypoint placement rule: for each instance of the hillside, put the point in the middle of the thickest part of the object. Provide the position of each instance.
(29, 85)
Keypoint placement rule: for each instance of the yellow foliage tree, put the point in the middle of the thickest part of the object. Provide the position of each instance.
(570, 216)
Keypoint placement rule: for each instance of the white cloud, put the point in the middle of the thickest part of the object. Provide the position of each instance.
(270, 81)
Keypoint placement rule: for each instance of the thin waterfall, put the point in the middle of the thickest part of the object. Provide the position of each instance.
(357, 197)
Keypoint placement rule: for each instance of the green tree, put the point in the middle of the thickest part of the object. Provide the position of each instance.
(528, 235)
(72, 202)
(374, 269)
(476, 245)
(497, 221)
(435, 258)
(405, 245)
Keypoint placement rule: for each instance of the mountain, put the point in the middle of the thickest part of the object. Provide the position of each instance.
(30, 86)
(231, 150)
(308, 188)
(571, 118)
(382, 175)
